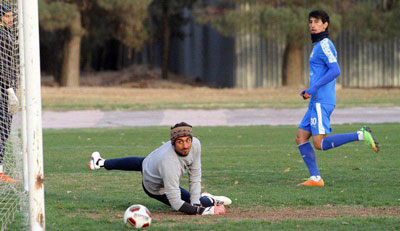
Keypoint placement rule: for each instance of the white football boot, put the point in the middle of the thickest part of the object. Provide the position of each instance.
(217, 200)
(96, 162)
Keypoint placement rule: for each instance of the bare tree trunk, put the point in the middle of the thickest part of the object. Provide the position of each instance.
(292, 65)
(72, 49)
(166, 37)
(121, 56)
(150, 51)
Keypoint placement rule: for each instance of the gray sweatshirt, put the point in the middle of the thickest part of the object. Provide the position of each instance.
(163, 168)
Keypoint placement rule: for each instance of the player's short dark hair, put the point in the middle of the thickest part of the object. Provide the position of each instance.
(181, 124)
(320, 14)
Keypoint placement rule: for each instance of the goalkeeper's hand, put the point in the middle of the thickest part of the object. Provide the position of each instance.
(13, 102)
(213, 210)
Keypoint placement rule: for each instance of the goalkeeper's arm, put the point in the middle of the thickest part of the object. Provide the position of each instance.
(173, 193)
(199, 210)
(190, 209)
(174, 198)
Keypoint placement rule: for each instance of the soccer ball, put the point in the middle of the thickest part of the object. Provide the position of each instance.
(137, 216)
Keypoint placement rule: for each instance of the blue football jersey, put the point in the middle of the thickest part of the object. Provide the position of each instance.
(323, 53)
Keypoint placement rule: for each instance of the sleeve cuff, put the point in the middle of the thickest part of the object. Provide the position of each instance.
(188, 209)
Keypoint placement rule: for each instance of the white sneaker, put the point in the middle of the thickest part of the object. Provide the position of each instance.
(96, 162)
(217, 200)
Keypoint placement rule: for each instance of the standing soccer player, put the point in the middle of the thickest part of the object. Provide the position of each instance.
(162, 170)
(324, 69)
(8, 74)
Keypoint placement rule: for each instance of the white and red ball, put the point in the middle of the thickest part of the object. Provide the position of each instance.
(137, 216)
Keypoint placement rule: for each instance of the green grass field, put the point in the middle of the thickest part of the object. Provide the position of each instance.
(257, 167)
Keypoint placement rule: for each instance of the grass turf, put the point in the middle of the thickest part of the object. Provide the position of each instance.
(257, 167)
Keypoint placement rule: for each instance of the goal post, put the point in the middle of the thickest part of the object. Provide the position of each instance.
(21, 150)
(33, 114)
(22, 88)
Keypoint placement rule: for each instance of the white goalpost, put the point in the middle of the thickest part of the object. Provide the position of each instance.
(33, 114)
(21, 151)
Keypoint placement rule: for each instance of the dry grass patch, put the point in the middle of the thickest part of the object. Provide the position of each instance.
(276, 215)
(112, 98)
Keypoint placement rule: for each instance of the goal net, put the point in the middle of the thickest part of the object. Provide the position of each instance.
(12, 193)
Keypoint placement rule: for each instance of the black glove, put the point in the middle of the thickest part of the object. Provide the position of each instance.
(205, 211)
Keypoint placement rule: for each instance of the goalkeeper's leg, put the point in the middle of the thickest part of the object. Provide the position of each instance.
(207, 207)
(125, 164)
(185, 196)
(205, 201)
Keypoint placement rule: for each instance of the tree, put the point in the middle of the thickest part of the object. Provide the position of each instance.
(374, 21)
(167, 19)
(127, 21)
(284, 22)
(74, 19)
(126, 24)
(65, 16)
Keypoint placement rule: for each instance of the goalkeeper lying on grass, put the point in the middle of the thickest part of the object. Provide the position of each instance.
(162, 170)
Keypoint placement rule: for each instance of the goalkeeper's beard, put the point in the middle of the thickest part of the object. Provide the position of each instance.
(183, 152)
